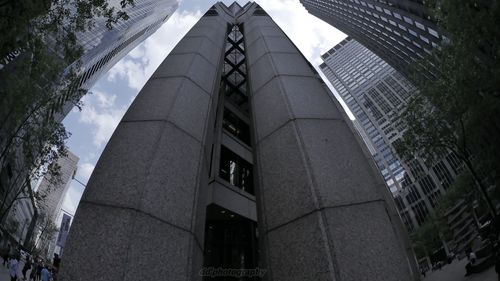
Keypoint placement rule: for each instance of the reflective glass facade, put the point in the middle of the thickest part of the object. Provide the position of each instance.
(103, 47)
(399, 31)
(376, 93)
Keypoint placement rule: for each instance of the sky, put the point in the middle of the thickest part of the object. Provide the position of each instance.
(108, 100)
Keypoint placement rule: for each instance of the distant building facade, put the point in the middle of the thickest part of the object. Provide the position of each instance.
(50, 208)
(17, 206)
(15, 226)
(376, 94)
(65, 224)
(464, 226)
(54, 194)
(401, 32)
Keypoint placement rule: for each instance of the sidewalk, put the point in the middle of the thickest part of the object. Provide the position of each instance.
(4, 272)
(456, 272)
(450, 272)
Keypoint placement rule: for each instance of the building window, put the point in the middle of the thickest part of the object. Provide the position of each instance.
(427, 184)
(433, 32)
(237, 127)
(421, 212)
(407, 220)
(399, 203)
(455, 163)
(419, 25)
(230, 241)
(424, 39)
(235, 170)
(408, 20)
(413, 194)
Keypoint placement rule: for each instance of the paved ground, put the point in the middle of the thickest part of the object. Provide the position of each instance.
(456, 272)
(4, 272)
(450, 272)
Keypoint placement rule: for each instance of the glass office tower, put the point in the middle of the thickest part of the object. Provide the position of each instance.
(104, 47)
(401, 32)
(376, 94)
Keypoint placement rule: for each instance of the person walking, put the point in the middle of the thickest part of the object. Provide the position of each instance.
(13, 267)
(45, 274)
(472, 257)
(39, 271)
(33, 271)
(26, 267)
(6, 258)
(497, 264)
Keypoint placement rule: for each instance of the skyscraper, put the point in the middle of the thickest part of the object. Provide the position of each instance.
(234, 155)
(54, 193)
(104, 47)
(50, 208)
(400, 32)
(376, 94)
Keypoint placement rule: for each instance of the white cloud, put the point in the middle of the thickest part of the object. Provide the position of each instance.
(102, 118)
(84, 171)
(130, 70)
(311, 35)
(139, 65)
(105, 101)
(137, 53)
(72, 197)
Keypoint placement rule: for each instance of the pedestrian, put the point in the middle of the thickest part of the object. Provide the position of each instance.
(468, 269)
(472, 261)
(497, 264)
(45, 274)
(6, 258)
(26, 267)
(39, 268)
(33, 270)
(13, 267)
(56, 261)
(472, 257)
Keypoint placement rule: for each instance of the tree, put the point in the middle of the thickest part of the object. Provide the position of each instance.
(45, 231)
(459, 110)
(462, 188)
(40, 151)
(22, 20)
(428, 238)
(39, 39)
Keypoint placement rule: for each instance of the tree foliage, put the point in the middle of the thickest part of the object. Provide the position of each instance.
(44, 234)
(459, 110)
(427, 238)
(39, 68)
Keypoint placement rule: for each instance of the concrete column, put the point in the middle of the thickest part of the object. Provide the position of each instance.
(324, 211)
(142, 214)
